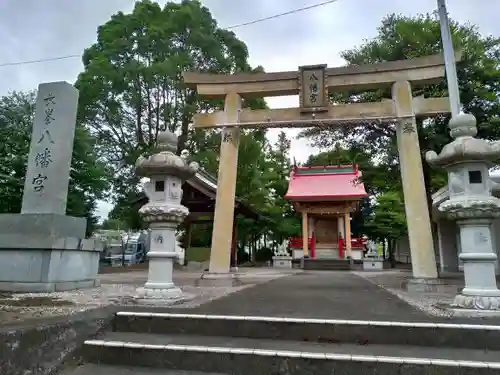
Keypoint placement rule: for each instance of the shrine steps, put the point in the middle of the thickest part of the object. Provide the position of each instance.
(174, 344)
(93, 369)
(326, 264)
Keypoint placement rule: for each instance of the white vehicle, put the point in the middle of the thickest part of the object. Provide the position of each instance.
(124, 248)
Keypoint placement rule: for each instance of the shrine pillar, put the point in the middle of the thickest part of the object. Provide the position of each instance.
(311, 225)
(312, 236)
(305, 234)
(412, 177)
(348, 243)
(222, 233)
(340, 226)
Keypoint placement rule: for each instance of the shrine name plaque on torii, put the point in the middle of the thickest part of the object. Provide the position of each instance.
(312, 84)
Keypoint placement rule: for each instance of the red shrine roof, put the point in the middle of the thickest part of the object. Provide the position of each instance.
(325, 183)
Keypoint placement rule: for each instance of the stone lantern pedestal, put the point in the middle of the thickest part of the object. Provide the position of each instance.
(467, 161)
(163, 212)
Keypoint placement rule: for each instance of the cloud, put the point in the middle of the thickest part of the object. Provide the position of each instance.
(32, 29)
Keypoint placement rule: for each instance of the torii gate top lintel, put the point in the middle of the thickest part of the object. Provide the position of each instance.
(422, 70)
(313, 83)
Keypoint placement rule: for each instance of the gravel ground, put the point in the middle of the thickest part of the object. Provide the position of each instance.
(117, 289)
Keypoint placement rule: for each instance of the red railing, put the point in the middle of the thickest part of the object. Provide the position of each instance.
(296, 243)
(358, 242)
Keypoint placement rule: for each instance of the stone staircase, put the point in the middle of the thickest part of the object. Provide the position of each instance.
(327, 252)
(145, 343)
(326, 264)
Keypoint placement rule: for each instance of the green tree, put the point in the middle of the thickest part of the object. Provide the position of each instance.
(89, 178)
(400, 38)
(388, 220)
(286, 222)
(132, 87)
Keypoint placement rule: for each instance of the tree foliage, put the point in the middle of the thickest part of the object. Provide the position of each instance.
(89, 178)
(132, 85)
(374, 175)
(286, 221)
(388, 220)
(400, 38)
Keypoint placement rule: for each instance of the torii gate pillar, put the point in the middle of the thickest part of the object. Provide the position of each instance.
(410, 161)
(222, 233)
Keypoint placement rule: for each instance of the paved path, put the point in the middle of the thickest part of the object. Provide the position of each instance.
(181, 278)
(327, 295)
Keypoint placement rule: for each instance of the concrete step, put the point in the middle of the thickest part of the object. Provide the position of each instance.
(327, 264)
(94, 369)
(438, 335)
(244, 356)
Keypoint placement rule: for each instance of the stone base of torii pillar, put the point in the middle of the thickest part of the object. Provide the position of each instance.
(219, 279)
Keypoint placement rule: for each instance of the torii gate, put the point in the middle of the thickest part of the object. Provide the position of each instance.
(312, 83)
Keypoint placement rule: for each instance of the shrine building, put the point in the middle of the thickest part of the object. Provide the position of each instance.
(326, 197)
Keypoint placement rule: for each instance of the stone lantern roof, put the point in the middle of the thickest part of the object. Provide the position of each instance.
(464, 147)
(165, 161)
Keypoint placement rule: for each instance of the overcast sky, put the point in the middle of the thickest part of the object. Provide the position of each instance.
(34, 29)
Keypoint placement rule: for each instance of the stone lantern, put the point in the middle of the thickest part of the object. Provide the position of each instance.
(166, 172)
(467, 161)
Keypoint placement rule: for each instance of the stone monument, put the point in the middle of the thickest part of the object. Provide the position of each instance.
(467, 161)
(281, 258)
(164, 211)
(42, 249)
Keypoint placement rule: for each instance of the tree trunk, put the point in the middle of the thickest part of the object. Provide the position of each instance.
(392, 246)
(183, 137)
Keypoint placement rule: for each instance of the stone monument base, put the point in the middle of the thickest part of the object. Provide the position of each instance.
(218, 279)
(422, 285)
(43, 253)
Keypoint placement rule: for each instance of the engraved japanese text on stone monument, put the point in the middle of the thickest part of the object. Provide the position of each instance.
(49, 159)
